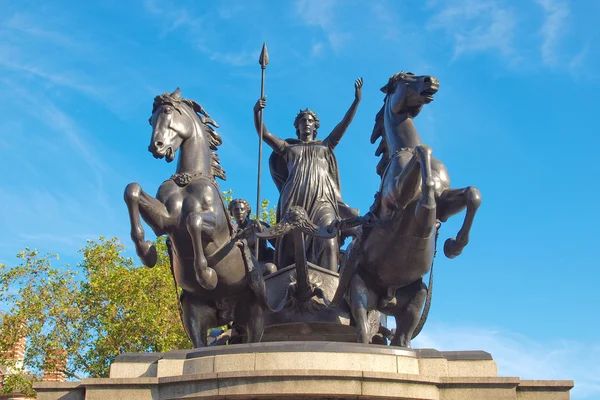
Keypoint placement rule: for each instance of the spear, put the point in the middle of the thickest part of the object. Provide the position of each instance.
(263, 60)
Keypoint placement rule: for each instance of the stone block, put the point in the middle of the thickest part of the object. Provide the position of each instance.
(235, 362)
(135, 365)
(473, 368)
(332, 361)
(133, 369)
(121, 388)
(544, 390)
(407, 365)
(169, 368)
(189, 386)
(477, 393)
(435, 367)
(467, 388)
(59, 390)
(290, 383)
(399, 386)
(202, 365)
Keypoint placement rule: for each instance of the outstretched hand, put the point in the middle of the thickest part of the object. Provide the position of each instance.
(260, 104)
(358, 88)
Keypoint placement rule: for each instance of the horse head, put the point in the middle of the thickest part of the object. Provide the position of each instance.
(170, 126)
(407, 92)
(175, 121)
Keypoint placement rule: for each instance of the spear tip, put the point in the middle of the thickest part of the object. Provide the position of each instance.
(264, 56)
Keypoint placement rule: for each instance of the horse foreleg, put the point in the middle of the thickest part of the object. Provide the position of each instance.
(398, 192)
(153, 212)
(195, 223)
(198, 318)
(451, 202)
(410, 301)
(425, 212)
(359, 301)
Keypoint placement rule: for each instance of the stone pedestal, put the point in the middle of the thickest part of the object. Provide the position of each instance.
(306, 370)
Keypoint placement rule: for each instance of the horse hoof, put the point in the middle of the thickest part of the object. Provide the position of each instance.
(388, 302)
(208, 278)
(452, 248)
(147, 253)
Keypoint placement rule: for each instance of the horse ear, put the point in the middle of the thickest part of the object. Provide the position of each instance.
(176, 93)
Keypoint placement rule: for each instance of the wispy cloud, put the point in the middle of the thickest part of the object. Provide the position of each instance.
(28, 25)
(317, 49)
(556, 16)
(476, 25)
(387, 20)
(239, 59)
(316, 12)
(321, 14)
(230, 10)
(173, 17)
(200, 29)
(577, 65)
(34, 47)
(58, 121)
(9, 61)
(527, 358)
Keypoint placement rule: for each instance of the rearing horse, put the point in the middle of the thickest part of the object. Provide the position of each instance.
(214, 271)
(385, 263)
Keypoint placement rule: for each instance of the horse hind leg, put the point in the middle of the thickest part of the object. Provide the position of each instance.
(251, 314)
(206, 276)
(410, 300)
(451, 202)
(360, 295)
(198, 317)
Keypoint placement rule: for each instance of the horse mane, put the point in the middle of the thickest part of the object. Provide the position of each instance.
(214, 139)
(382, 148)
(379, 128)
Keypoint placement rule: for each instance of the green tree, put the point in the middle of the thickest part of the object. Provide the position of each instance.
(102, 307)
(93, 311)
(267, 214)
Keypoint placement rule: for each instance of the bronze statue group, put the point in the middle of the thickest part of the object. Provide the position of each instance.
(212, 246)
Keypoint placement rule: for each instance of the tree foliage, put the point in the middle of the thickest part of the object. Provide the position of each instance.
(91, 312)
(94, 311)
(267, 214)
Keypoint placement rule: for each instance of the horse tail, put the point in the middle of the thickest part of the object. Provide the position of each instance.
(429, 290)
(426, 308)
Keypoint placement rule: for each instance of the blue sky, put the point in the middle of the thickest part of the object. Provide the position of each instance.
(515, 116)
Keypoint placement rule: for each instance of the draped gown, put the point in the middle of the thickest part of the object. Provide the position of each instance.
(306, 174)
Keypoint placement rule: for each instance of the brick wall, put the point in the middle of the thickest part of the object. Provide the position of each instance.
(55, 365)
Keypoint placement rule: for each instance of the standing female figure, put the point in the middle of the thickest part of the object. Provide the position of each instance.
(306, 173)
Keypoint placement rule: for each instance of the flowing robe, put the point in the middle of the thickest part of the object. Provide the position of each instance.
(306, 174)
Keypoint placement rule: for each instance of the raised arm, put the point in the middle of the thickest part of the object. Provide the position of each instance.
(273, 141)
(338, 132)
